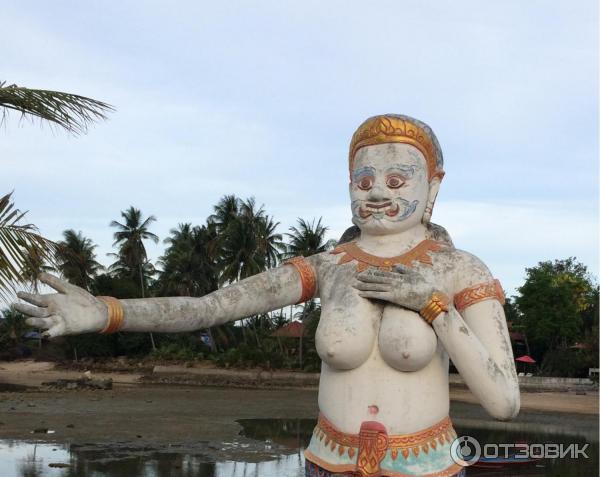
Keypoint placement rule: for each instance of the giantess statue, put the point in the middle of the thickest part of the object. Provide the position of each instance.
(398, 300)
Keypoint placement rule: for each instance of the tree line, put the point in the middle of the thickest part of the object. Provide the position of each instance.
(553, 317)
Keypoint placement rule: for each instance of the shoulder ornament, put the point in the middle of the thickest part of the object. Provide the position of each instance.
(308, 277)
(476, 293)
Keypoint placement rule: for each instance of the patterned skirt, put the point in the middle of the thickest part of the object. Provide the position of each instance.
(313, 470)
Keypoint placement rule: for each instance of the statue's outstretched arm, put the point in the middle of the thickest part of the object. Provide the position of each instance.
(73, 310)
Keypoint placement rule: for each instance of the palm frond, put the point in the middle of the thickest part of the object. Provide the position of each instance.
(19, 245)
(69, 111)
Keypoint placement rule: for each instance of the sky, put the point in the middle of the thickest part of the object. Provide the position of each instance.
(261, 98)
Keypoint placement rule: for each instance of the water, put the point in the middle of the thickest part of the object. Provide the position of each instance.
(281, 442)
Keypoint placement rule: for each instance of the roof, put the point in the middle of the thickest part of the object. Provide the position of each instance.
(295, 329)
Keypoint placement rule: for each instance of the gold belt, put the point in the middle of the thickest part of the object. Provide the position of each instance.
(372, 442)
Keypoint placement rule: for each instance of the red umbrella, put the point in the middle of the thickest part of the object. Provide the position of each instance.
(525, 359)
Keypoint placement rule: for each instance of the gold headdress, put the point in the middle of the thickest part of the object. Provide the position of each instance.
(392, 128)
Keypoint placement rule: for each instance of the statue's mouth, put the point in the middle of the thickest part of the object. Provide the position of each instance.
(387, 208)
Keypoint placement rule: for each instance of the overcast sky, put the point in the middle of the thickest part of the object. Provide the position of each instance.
(261, 99)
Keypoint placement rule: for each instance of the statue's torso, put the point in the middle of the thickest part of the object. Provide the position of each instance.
(378, 356)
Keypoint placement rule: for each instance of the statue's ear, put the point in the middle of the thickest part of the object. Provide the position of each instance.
(434, 188)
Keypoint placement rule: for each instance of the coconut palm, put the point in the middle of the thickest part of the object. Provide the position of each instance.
(76, 259)
(69, 111)
(189, 262)
(225, 212)
(130, 237)
(307, 239)
(270, 243)
(21, 248)
(248, 244)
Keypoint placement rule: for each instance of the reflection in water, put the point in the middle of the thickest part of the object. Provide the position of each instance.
(21, 459)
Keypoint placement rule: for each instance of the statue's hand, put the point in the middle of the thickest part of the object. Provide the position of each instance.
(69, 312)
(404, 287)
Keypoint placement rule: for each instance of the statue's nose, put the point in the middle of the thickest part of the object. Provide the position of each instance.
(378, 194)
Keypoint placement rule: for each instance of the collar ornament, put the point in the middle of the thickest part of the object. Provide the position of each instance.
(420, 253)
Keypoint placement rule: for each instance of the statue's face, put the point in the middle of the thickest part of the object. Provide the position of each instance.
(389, 188)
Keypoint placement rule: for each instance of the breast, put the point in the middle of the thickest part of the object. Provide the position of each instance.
(347, 329)
(406, 342)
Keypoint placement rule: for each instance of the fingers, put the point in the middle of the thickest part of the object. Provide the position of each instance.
(57, 330)
(377, 295)
(54, 325)
(38, 300)
(375, 277)
(44, 323)
(59, 285)
(31, 310)
(383, 287)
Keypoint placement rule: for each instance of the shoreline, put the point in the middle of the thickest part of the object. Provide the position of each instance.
(31, 374)
(207, 420)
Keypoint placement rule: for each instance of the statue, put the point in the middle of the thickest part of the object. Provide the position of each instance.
(398, 300)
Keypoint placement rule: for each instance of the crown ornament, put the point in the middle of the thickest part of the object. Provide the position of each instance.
(396, 128)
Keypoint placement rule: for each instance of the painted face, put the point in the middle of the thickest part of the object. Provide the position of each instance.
(389, 188)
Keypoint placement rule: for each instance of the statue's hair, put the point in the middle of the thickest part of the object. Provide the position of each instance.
(399, 128)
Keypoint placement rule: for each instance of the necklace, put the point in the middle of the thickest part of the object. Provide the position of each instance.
(419, 253)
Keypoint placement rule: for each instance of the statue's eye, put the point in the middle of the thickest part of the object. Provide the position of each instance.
(394, 181)
(365, 183)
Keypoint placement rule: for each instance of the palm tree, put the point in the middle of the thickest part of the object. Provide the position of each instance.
(21, 248)
(77, 260)
(35, 265)
(133, 259)
(130, 238)
(248, 243)
(225, 212)
(270, 243)
(307, 239)
(71, 112)
(20, 242)
(189, 262)
(12, 325)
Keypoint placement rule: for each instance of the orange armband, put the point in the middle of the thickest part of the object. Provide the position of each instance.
(115, 314)
(307, 277)
(476, 293)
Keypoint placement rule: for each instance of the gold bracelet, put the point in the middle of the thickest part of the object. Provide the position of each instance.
(437, 304)
(115, 314)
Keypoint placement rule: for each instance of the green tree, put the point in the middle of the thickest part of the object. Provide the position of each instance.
(69, 111)
(12, 327)
(132, 257)
(307, 238)
(76, 259)
(248, 243)
(22, 250)
(552, 302)
(21, 244)
(129, 237)
(189, 263)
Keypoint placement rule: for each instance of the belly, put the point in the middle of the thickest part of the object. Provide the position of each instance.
(406, 342)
